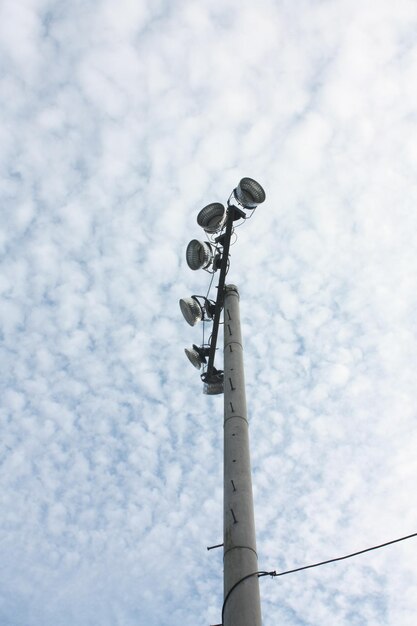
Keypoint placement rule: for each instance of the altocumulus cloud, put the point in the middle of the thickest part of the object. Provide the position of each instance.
(118, 125)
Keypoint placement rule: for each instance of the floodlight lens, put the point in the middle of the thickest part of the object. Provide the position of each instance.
(213, 389)
(212, 217)
(198, 254)
(191, 310)
(194, 358)
(249, 193)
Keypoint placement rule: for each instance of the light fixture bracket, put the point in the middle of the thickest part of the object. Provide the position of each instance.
(238, 214)
(215, 374)
(208, 307)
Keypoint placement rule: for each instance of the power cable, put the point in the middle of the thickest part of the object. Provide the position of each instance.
(347, 556)
(258, 574)
(275, 574)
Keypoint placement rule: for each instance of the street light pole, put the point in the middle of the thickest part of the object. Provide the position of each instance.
(242, 606)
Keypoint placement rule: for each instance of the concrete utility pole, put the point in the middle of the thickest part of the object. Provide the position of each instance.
(242, 606)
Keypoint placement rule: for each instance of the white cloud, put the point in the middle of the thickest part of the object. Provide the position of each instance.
(119, 124)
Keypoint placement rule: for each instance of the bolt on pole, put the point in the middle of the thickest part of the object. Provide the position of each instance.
(242, 606)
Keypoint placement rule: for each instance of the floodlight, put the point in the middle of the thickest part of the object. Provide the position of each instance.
(191, 310)
(197, 356)
(213, 385)
(249, 193)
(199, 254)
(212, 217)
(194, 311)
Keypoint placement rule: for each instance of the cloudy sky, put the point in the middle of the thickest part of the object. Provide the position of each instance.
(119, 122)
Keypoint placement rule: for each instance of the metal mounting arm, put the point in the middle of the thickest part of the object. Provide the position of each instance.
(232, 214)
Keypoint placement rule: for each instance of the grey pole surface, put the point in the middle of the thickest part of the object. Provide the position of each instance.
(242, 603)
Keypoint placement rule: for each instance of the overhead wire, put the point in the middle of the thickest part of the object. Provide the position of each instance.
(347, 556)
(258, 574)
(275, 574)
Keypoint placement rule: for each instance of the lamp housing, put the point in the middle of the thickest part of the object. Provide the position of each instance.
(199, 254)
(213, 384)
(191, 310)
(194, 311)
(212, 217)
(197, 355)
(249, 193)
